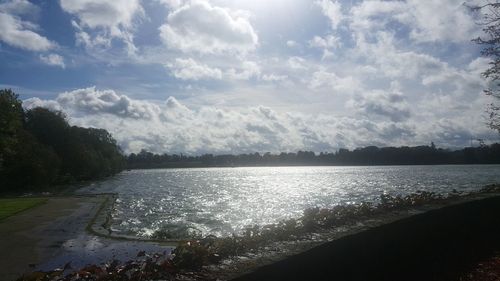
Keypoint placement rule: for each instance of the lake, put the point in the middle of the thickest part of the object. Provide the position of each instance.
(222, 201)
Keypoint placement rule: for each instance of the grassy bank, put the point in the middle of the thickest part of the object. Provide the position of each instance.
(12, 206)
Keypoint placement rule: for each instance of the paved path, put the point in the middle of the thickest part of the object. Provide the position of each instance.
(36, 235)
(50, 235)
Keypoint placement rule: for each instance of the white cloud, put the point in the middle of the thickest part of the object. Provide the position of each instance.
(90, 101)
(331, 9)
(105, 19)
(200, 27)
(453, 22)
(85, 39)
(18, 32)
(247, 70)
(171, 126)
(189, 69)
(292, 43)
(274, 77)
(19, 7)
(53, 59)
(113, 15)
(172, 3)
(37, 102)
(330, 80)
(297, 63)
(392, 62)
(372, 15)
(326, 42)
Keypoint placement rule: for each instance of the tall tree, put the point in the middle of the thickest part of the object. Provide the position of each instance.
(24, 161)
(11, 121)
(38, 148)
(491, 42)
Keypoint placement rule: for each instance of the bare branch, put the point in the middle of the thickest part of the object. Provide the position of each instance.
(491, 42)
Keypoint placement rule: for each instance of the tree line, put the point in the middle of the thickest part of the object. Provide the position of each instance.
(39, 148)
(371, 155)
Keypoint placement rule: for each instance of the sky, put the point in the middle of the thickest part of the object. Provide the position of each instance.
(244, 76)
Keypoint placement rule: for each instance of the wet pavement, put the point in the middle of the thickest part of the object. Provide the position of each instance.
(53, 234)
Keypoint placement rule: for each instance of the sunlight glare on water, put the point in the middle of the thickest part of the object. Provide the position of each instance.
(222, 201)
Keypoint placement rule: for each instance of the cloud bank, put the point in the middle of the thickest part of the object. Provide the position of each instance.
(172, 127)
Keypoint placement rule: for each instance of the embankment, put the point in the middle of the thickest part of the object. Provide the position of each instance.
(436, 245)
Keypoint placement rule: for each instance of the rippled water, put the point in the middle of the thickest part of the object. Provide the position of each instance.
(222, 201)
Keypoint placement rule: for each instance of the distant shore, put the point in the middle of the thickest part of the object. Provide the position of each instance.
(201, 165)
(367, 156)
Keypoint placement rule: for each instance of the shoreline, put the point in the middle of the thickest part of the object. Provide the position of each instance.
(52, 234)
(100, 225)
(276, 252)
(438, 244)
(73, 228)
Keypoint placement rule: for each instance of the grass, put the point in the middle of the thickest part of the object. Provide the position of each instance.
(12, 206)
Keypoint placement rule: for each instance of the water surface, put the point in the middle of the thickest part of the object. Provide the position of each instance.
(222, 201)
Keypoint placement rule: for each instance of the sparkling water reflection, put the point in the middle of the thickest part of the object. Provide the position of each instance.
(222, 201)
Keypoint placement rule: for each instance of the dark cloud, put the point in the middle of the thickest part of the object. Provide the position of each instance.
(382, 104)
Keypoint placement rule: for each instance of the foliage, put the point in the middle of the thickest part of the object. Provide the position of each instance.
(30, 163)
(11, 113)
(154, 267)
(9, 207)
(190, 254)
(39, 148)
(491, 48)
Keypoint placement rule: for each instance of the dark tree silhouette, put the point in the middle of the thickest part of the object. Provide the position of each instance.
(11, 121)
(371, 155)
(39, 148)
(491, 48)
